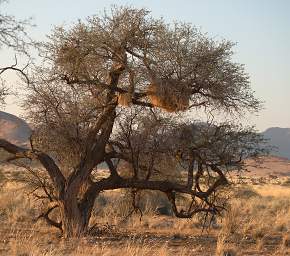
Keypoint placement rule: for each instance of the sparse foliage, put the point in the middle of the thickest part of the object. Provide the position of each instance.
(13, 32)
(13, 35)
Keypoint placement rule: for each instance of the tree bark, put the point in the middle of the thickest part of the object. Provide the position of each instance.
(76, 208)
(74, 222)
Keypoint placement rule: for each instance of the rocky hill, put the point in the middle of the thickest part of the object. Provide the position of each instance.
(14, 129)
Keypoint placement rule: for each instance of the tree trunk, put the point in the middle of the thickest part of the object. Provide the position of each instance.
(75, 213)
(74, 221)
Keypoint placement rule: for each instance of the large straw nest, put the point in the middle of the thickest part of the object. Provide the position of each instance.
(168, 96)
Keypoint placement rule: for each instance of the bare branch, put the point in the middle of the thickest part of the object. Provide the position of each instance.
(48, 163)
(49, 221)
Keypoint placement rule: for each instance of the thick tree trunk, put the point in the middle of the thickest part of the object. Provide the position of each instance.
(75, 213)
(74, 221)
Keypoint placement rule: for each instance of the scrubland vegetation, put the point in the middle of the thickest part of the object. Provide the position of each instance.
(257, 222)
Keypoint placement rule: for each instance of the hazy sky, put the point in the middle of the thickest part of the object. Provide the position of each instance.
(261, 29)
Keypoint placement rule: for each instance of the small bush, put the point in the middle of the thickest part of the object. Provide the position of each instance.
(245, 193)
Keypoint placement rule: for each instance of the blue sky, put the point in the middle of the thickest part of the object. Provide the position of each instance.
(261, 29)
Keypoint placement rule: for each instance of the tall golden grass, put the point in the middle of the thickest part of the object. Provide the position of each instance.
(257, 222)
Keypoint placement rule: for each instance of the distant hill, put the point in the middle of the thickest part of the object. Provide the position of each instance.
(279, 138)
(14, 129)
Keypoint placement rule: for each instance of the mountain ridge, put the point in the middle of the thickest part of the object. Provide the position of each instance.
(280, 139)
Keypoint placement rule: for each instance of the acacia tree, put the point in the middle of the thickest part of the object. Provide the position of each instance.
(118, 88)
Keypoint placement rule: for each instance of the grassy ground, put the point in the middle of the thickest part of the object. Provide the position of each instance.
(257, 223)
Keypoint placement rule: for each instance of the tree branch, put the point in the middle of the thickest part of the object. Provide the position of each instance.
(51, 222)
(48, 163)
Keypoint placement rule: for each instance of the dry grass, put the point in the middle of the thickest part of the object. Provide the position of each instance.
(273, 191)
(257, 222)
